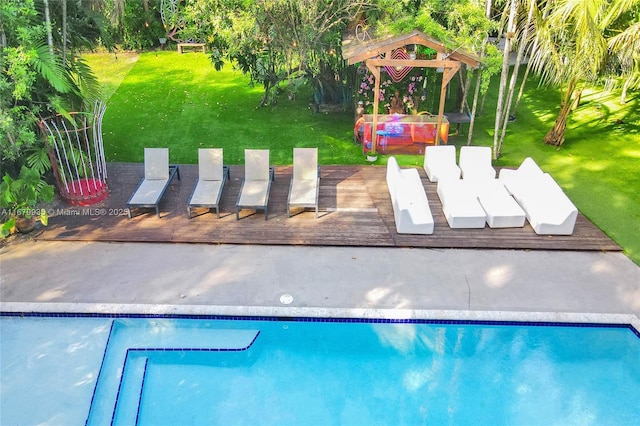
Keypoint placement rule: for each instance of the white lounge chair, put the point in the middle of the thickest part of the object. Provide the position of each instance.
(305, 182)
(528, 169)
(254, 193)
(212, 175)
(157, 176)
(440, 162)
(460, 203)
(502, 210)
(548, 209)
(411, 211)
(475, 162)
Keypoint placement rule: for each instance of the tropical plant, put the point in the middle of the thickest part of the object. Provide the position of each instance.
(36, 79)
(21, 196)
(272, 41)
(574, 45)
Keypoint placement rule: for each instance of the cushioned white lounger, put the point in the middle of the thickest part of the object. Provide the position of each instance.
(528, 169)
(460, 203)
(157, 176)
(548, 209)
(305, 182)
(475, 162)
(254, 193)
(440, 162)
(502, 210)
(411, 210)
(212, 175)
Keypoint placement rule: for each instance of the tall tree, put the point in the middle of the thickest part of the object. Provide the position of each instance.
(572, 48)
(506, 58)
(36, 80)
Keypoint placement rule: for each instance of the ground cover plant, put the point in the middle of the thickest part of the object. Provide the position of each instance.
(182, 102)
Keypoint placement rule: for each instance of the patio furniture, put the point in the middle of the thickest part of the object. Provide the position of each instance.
(411, 210)
(305, 182)
(212, 175)
(460, 203)
(548, 209)
(254, 193)
(528, 169)
(475, 162)
(157, 176)
(440, 162)
(502, 210)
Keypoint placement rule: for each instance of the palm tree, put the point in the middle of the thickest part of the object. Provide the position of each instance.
(571, 48)
(626, 55)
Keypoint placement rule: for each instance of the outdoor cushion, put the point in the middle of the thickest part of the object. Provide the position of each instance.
(254, 193)
(475, 162)
(460, 204)
(501, 209)
(212, 175)
(440, 162)
(411, 210)
(157, 176)
(305, 182)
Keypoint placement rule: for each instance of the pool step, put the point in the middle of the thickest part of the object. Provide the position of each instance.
(125, 359)
(130, 390)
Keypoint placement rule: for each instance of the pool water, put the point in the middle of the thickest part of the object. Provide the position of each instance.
(152, 371)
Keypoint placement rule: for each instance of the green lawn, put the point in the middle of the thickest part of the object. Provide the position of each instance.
(180, 101)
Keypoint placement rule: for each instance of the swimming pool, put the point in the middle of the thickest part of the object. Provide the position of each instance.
(153, 371)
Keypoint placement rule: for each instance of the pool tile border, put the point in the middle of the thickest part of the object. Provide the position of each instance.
(304, 314)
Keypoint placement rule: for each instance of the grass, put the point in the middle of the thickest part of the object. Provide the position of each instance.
(113, 68)
(181, 102)
(184, 103)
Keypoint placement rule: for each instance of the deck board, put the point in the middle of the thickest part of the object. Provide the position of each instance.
(355, 210)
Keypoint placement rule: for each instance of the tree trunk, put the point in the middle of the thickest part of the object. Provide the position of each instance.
(64, 29)
(514, 77)
(623, 95)
(47, 20)
(521, 92)
(510, 30)
(475, 104)
(555, 136)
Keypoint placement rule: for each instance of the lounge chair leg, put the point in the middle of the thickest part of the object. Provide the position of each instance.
(158, 212)
(189, 212)
(217, 212)
(129, 212)
(237, 214)
(265, 213)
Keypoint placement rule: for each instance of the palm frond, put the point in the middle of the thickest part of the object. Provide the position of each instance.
(86, 81)
(51, 68)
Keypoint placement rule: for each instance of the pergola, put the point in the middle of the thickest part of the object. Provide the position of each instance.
(379, 53)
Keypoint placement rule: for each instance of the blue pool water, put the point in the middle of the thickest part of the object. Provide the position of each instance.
(155, 371)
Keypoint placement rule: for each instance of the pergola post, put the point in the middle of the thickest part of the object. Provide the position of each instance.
(375, 71)
(447, 75)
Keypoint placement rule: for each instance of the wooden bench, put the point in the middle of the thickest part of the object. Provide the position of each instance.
(189, 45)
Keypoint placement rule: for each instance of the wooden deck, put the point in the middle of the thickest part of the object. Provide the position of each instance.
(355, 210)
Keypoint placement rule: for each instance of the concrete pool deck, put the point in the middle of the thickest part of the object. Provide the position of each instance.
(200, 279)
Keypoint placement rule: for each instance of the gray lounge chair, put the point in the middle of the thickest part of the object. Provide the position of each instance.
(157, 176)
(254, 193)
(305, 182)
(212, 175)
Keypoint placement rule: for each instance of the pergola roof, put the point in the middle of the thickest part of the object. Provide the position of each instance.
(354, 50)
